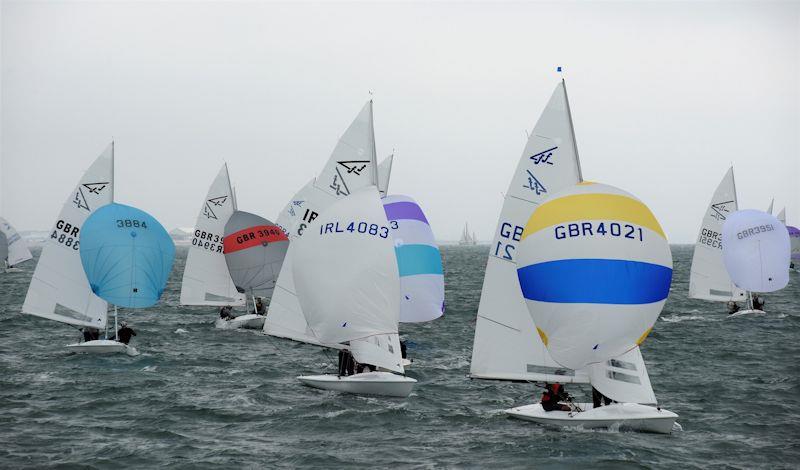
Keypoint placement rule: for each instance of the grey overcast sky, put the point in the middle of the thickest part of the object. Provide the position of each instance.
(665, 96)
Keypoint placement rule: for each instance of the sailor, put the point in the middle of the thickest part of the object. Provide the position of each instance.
(758, 304)
(598, 399)
(347, 363)
(124, 334)
(553, 394)
(225, 312)
(91, 334)
(403, 349)
(260, 309)
(733, 307)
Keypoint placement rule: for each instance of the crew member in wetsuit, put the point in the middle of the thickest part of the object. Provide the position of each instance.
(124, 334)
(226, 312)
(347, 363)
(733, 307)
(91, 334)
(598, 399)
(553, 394)
(260, 309)
(758, 304)
(403, 349)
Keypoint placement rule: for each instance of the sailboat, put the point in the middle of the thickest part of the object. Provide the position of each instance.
(348, 284)
(350, 167)
(59, 289)
(13, 249)
(467, 238)
(127, 256)
(254, 249)
(206, 280)
(506, 345)
(756, 250)
(794, 241)
(419, 262)
(595, 269)
(708, 278)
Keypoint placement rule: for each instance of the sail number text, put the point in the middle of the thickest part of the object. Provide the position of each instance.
(511, 233)
(128, 223)
(360, 227)
(207, 241)
(68, 235)
(308, 217)
(589, 229)
(710, 238)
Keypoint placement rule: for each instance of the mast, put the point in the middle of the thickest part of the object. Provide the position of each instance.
(572, 129)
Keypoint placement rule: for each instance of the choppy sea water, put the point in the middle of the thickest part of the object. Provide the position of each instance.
(200, 397)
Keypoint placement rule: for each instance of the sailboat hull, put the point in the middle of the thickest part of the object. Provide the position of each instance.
(623, 416)
(367, 383)
(249, 321)
(747, 312)
(101, 346)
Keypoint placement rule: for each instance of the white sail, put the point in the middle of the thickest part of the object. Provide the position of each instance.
(771, 206)
(708, 279)
(623, 379)
(385, 174)
(382, 350)
(17, 248)
(756, 251)
(59, 289)
(782, 216)
(205, 278)
(347, 279)
(351, 166)
(506, 344)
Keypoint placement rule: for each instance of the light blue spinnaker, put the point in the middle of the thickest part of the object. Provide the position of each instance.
(126, 255)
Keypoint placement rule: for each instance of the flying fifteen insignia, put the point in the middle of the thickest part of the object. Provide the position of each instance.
(534, 184)
(543, 157)
(719, 210)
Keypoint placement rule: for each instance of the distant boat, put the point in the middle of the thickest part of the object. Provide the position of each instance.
(506, 344)
(351, 166)
(346, 275)
(467, 238)
(13, 249)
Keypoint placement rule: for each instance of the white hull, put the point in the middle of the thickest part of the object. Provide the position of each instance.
(13, 270)
(623, 416)
(249, 321)
(747, 312)
(102, 346)
(367, 383)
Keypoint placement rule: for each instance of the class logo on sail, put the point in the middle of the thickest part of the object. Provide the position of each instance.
(719, 210)
(214, 201)
(351, 167)
(92, 188)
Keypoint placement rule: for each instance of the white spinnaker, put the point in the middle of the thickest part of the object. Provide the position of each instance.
(782, 216)
(623, 379)
(506, 344)
(285, 318)
(346, 275)
(708, 279)
(385, 174)
(206, 280)
(59, 289)
(756, 251)
(17, 248)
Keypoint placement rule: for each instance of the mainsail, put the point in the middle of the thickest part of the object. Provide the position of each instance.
(205, 278)
(351, 166)
(347, 279)
(708, 279)
(506, 344)
(16, 249)
(59, 289)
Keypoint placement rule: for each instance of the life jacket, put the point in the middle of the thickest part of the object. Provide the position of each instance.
(551, 393)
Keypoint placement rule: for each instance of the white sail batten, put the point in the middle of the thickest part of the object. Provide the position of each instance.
(623, 379)
(18, 251)
(59, 289)
(350, 285)
(351, 166)
(506, 345)
(708, 279)
(206, 280)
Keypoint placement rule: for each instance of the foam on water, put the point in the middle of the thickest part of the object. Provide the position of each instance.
(202, 397)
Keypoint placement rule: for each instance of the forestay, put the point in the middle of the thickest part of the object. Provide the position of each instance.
(16, 249)
(255, 249)
(708, 279)
(756, 251)
(347, 278)
(127, 256)
(595, 269)
(418, 258)
(59, 289)
(506, 344)
(206, 280)
(351, 166)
